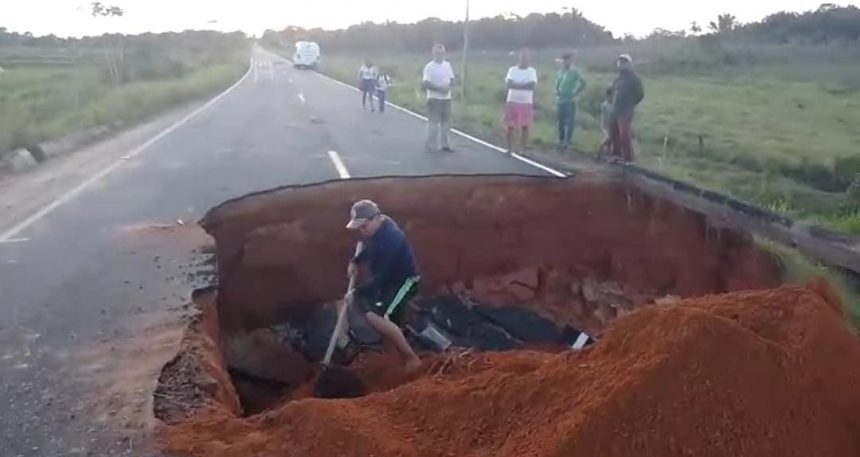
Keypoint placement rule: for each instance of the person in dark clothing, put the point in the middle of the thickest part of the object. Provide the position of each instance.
(393, 278)
(629, 92)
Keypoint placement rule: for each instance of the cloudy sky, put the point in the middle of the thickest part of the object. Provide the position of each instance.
(69, 17)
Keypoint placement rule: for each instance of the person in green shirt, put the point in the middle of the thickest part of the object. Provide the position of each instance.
(568, 85)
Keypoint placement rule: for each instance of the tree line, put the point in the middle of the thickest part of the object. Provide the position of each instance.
(502, 31)
(828, 23)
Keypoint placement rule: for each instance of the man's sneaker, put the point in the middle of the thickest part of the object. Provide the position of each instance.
(447, 149)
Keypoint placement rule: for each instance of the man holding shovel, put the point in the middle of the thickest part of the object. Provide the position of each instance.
(393, 277)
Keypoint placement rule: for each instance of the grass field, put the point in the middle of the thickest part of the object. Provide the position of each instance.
(43, 100)
(779, 125)
(42, 103)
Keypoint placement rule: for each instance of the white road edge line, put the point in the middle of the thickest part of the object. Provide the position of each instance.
(69, 195)
(302, 97)
(14, 240)
(465, 135)
(338, 164)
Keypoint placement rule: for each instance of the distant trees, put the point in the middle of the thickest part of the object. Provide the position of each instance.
(829, 23)
(113, 46)
(725, 23)
(504, 31)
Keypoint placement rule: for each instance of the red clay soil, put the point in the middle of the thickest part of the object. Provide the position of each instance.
(196, 379)
(764, 373)
(282, 249)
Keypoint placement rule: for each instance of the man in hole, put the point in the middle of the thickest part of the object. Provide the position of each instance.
(393, 277)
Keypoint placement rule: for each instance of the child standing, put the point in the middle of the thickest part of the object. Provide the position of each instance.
(606, 121)
(382, 84)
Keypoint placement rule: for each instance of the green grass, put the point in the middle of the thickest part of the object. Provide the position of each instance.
(43, 102)
(799, 269)
(775, 125)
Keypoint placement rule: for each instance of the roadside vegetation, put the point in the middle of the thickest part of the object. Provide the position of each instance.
(799, 270)
(50, 87)
(768, 111)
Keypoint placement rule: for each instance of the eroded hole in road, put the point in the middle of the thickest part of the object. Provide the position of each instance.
(507, 263)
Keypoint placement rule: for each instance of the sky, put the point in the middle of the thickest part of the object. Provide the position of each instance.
(70, 17)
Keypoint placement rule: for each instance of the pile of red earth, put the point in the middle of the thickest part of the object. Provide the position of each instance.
(764, 373)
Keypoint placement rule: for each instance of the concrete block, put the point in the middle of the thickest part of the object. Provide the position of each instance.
(17, 161)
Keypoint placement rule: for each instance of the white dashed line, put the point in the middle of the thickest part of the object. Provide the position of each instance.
(14, 240)
(66, 197)
(338, 164)
(302, 98)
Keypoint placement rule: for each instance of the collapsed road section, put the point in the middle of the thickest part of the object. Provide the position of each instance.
(515, 271)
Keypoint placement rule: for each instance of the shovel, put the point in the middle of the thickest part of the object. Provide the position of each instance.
(333, 381)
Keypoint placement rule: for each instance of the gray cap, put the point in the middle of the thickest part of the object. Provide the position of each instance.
(626, 57)
(362, 211)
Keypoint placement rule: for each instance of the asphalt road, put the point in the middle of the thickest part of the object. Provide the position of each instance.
(92, 281)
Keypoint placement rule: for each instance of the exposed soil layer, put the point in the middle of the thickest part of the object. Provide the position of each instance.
(758, 373)
(196, 379)
(516, 264)
(282, 252)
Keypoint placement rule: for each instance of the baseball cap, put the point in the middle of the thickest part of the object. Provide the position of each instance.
(625, 57)
(362, 211)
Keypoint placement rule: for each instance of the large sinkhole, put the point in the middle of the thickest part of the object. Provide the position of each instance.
(507, 263)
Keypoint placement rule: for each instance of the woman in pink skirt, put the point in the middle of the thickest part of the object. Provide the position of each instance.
(519, 109)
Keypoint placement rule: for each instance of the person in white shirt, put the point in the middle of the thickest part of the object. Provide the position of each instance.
(367, 76)
(519, 109)
(438, 80)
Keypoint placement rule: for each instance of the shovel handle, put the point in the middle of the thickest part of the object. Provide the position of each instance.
(338, 327)
(341, 315)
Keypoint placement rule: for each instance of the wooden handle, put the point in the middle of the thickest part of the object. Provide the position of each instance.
(338, 327)
(341, 316)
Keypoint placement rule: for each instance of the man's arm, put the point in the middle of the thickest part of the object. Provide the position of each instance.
(430, 86)
(382, 276)
(640, 92)
(521, 86)
(580, 86)
(426, 84)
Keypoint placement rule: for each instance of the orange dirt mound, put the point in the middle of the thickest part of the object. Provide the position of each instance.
(766, 373)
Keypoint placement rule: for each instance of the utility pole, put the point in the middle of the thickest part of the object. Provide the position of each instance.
(465, 50)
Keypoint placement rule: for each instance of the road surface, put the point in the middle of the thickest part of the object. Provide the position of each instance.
(96, 257)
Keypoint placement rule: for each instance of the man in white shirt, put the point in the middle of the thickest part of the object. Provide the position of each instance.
(367, 76)
(438, 80)
(519, 109)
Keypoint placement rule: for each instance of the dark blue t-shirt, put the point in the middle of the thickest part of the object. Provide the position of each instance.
(389, 257)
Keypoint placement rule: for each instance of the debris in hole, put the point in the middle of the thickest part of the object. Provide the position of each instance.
(534, 269)
(661, 375)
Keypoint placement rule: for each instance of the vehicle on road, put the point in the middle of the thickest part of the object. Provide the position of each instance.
(307, 55)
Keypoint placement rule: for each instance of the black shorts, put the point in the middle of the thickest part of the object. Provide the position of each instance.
(392, 302)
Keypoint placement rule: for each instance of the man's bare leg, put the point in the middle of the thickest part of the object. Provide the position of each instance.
(391, 333)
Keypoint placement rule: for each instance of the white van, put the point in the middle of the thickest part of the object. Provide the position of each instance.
(307, 54)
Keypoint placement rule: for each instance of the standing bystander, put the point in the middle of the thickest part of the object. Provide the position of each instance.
(568, 85)
(519, 108)
(629, 93)
(382, 83)
(437, 80)
(367, 76)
